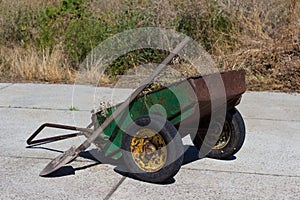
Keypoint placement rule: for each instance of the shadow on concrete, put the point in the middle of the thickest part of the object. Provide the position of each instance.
(191, 154)
(63, 171)
(122, 171)
(44, 148)
(68, 170)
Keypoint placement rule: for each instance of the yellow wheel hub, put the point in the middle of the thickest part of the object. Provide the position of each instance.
(224, 137)
(148, 150)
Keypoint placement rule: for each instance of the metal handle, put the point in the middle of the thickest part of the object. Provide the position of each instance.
(30, 140)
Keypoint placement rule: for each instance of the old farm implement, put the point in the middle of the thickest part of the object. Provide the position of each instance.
(149, 142)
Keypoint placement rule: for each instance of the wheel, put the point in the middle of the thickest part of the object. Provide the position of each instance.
(231, 138)
(152, 149)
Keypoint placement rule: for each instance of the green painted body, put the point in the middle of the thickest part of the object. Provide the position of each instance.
(177, 100)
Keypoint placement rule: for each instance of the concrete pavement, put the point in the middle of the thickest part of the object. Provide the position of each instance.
(267, 166)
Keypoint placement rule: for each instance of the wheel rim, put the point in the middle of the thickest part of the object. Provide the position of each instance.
(224, 137)
(148, 150)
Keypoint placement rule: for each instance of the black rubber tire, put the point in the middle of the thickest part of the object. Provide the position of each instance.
(174, 149)
(236, 141)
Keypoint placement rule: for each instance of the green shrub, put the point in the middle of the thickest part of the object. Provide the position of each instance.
(85, 33)
(81, 36)
(53, 22)
(133, 59)
(207, 27)
(18, 27)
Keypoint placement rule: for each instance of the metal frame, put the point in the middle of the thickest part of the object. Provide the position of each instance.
(82, 131)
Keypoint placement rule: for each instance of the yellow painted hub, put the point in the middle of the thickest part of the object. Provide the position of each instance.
(148, 150)
(224, 137)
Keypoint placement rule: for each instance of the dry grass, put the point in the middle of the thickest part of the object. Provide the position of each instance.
(29, 64)
(264, 39)
(23, 61)
(268, 46)
(37, 4)
(91, 72)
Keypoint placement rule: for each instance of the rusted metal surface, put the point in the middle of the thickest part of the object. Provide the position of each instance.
(234, 84)
(232, 81)
(59, 161)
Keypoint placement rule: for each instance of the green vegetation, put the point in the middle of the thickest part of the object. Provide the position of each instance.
(47, 40)
(72, 108)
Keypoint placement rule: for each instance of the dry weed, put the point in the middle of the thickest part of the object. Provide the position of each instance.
(28, 64)
(267, 45)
